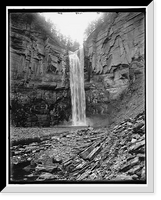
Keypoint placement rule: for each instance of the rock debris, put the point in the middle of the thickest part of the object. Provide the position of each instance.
(85, 154)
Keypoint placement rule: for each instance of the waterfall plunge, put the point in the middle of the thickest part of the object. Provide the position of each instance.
(77, 87)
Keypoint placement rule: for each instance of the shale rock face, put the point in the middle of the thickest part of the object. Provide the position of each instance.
(41, 108)
(34, 54)
(39, 80)
(114, 66)
(115, 56)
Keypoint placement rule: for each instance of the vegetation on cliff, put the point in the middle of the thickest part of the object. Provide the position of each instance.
(36, 21)
(34, 110)
(95, 24)
(114, 148)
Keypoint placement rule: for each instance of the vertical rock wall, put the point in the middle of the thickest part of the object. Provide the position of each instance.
(39, 94)
(115, 51)
(34, 56)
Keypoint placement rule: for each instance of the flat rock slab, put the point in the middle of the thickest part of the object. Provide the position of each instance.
(84, 154)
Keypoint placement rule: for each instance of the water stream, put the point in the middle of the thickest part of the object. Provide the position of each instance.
(77, 87)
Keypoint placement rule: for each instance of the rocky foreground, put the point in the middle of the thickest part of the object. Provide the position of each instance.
(80, 155)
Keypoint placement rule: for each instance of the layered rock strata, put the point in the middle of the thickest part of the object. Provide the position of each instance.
(38, 74)
(115, 56)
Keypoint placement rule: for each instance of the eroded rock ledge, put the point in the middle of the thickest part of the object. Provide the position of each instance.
(114, 56)
(114, 63)
(38, 72)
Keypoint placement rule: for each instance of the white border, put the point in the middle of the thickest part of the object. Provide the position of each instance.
(72, 7)
(103, 188)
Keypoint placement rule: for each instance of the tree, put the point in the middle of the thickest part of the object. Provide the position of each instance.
(93, 25)
(38, 22)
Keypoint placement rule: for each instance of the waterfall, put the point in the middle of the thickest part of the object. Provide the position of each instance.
(77, 87)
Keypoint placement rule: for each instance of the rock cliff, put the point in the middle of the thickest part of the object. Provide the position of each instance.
(37, 71)
(35, 55)
(40, 96)
(114, 59)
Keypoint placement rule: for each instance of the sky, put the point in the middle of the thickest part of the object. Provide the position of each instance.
(72, 24)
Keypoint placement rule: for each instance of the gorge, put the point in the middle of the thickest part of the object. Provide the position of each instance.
(100, 86)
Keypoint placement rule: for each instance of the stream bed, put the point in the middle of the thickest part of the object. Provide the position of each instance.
(84, 154)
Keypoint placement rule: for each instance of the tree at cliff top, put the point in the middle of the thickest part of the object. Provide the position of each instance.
(33, 21)
(49, 29)
(67, 42)
(93, 25)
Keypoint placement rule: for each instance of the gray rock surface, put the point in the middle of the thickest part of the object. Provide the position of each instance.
(86, 154)
(115, 51)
